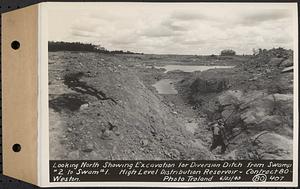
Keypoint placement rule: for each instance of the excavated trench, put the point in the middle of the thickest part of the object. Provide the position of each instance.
(249, 115)
(252, 110)
(98, 129)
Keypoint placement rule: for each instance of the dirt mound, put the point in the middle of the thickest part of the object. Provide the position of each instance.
(119, 117)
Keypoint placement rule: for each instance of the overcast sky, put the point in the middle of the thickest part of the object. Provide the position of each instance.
(174, 28)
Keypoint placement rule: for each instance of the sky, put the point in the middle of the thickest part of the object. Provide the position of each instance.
(174, 28)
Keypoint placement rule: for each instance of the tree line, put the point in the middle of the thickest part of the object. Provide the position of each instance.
(54, 46)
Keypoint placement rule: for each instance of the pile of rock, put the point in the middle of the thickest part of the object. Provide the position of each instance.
(275, 58)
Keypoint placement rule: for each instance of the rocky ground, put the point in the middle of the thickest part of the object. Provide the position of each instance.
(256, 101)
(105, 107)
(101, 109)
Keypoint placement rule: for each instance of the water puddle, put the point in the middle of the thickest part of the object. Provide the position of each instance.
(189, 68)
(166, 86)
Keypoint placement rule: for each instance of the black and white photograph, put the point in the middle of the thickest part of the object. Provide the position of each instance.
(171, 81)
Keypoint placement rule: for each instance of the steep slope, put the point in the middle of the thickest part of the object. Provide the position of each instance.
(106, 112)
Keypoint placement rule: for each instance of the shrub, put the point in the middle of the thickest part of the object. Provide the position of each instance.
(228, 52)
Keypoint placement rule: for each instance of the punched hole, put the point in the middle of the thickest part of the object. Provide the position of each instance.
(16, 147)
(15, 45)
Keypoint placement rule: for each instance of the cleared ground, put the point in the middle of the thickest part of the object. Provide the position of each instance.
(105, 107)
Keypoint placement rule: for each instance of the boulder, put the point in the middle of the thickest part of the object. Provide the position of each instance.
(270, 122)
(107, 135)
(287, 63)
(252, 96)
(89, 147)
(269, 105)
(249, 117)
(276, 124)
(230, 97)
(282, 103)
(272, 146)
(84, 106)
(144, 142)
(256, 111)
